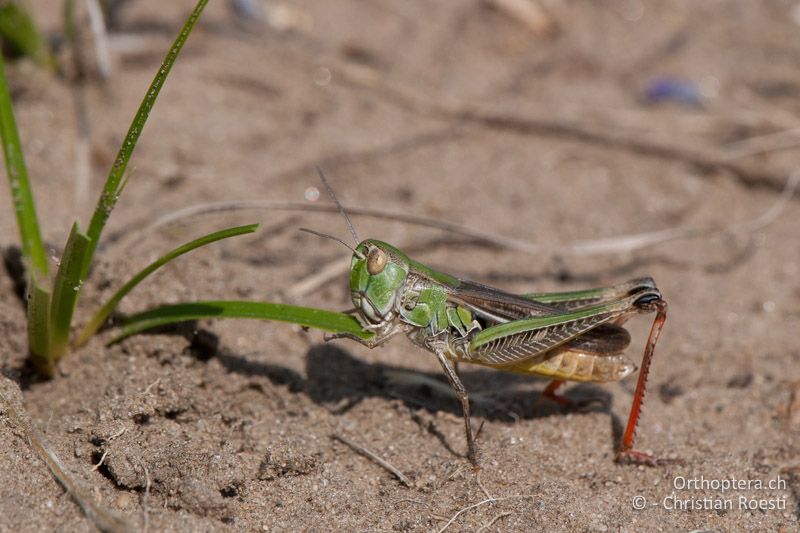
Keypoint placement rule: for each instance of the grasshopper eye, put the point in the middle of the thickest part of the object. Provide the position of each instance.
(376, 261)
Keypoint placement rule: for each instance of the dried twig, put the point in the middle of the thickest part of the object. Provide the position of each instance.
(307, 285)
(410, 500)
(381, 214)
(100, 37)
(480, 484)
(108, 449)
(705, 158)
(610, 245)
(150, 387)
(548, 124)
(770, 215)
(104, 519)
(762, 144)
(483, 502)
(83, 170)
(145, 497)
(101, 461)
(491, 522)
(372, 456)
(528, 12)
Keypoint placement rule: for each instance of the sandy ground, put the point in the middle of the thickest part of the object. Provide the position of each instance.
(452, 110)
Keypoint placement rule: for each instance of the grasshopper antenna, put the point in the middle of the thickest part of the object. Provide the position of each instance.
(341, 209)
(337, 239)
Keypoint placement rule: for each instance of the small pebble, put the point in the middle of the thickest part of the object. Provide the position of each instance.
(124, 501)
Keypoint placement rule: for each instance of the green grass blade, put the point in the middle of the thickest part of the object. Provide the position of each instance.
(97, 320)
(19, 30)
(329, 321)
(32, 248)
(66, 288)
(114, 182)
(39, 328)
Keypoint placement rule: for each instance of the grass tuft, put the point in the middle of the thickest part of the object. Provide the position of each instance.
(51, 308)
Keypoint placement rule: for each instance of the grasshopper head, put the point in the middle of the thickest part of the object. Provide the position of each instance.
(377, 273)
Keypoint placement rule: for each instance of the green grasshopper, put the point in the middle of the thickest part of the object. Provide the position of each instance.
(566, 336)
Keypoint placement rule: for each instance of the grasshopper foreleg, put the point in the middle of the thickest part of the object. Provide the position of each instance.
(382, 335)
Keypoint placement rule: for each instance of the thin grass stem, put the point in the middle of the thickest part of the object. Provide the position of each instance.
(330, 321)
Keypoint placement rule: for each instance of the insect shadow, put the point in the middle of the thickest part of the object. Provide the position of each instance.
(338, 380)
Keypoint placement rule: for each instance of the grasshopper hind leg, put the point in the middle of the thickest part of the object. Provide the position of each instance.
(627, 454)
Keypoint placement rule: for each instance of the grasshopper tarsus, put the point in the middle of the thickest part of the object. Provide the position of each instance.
(636, 457)
(475, 460)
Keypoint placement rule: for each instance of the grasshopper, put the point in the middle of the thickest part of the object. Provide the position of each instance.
(566, 336)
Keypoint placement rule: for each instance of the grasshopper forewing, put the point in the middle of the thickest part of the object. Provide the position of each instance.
(574, 336)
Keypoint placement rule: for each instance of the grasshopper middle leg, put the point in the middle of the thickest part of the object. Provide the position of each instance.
(551, 394)
(461, 394)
